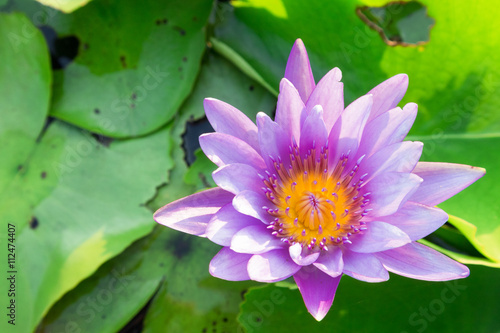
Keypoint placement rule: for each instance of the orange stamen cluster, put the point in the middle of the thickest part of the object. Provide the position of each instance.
(315, 207)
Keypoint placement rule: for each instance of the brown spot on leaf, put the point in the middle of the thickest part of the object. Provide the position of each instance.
(181, 245)
(97, 111)
(134, 96)
(34, 223)
(43, 174)
(123, 61)
(161, 21)
(251, 88)
(184, 59)
(182, 32)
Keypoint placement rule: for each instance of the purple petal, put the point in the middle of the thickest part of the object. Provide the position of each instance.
(227, 222)
(331, 262)
(237, 177)
(443, 180)
(329, 93)
(420, 262)
(290, 110)
(192, 213)
(298, 70)
(364, 267)
(302, 257)
(272, 266)
(227, 119)
(229, 265)
(351, 124)
(417, 220)
(252, 204)
(389, 191)
(380, 236)
(313, 134)
(388, 94)
(255, 239)
(398, 157)
(273, 141)
(388, 128)
(317, 289)
(225, 149)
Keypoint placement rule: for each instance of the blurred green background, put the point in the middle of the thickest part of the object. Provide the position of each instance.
(100, 111)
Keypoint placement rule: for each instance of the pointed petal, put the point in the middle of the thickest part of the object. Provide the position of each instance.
(330, 95)
(389, 191)
(255, 239)
(272, 266)
(290, 110)
(443, 180)
(302, 257)
(317, 289)
(352, 123)
(388, 94)
(388, 128)
(226, 223)
(298, 70)
(225, 149)
(227, 119)
(420, 262)
(313, 134)
(252, 204)
(417, 220)
(237, 177)
(192, 213)
(398, 157)
(274, 144)
(364, 267)
(379, 236)
(331, 262)
(229, 265)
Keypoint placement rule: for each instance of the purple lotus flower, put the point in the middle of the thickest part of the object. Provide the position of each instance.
(321, 191)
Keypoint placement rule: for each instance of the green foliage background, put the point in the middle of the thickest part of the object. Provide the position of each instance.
(90, 150)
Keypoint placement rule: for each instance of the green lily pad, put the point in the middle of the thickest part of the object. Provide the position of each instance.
(25, 79)
(76, 204)
(451, 79)
(463, 258)
(66, 6)
(190, 299)
(25, 71)
(179, 260)
(136, 62)
(58, 186)
(398, 305)
(207, 303)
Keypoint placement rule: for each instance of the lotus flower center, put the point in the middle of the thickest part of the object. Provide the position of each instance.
(315, 206)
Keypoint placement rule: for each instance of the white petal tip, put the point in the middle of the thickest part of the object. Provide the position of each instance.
(317, 109)
(319, 316)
